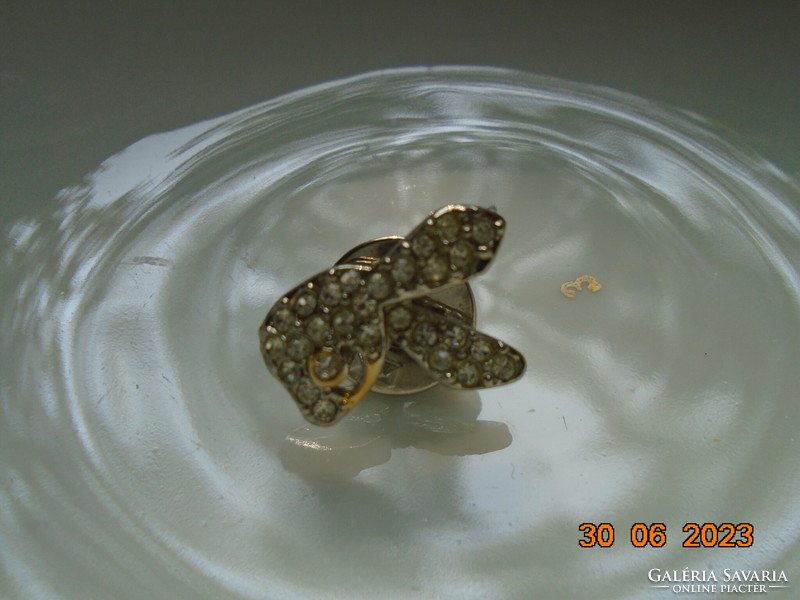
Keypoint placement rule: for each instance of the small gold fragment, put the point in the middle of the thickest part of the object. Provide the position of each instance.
(570, 288)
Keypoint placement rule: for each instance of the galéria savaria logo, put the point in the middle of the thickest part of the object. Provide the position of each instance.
(724, 581)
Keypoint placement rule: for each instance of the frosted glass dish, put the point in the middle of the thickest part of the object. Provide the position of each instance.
(147, 453)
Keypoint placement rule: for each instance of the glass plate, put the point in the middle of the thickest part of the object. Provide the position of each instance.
(147, 452)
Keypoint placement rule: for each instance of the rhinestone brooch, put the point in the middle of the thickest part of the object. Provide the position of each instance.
(394, 315)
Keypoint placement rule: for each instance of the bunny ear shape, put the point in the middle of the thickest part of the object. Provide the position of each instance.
(325, 341)
(454, 244)
(460, 357)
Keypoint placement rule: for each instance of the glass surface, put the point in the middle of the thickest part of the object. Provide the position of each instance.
(147, 452)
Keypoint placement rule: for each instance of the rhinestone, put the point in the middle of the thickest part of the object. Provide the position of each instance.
(288, 371)
(343, 320)
(324, 410)
(379, 285)
(448, 227)
(400, 318)
(484, 253)
(327, 366)
(304, 303)
(299, 347)
(480, 350)
(366, 308)
(461, 256)
(425, 334)
(351, 281)
(455, 337)
(274, 347)
(331, 292)
(369, 334)
(439, 358)
(283, 319)
(403, 269)
(307, 393)
(482, 231)
(423, 246)
(436, 269)
(504, 367)
(468, 374)
(355, 370)
(318, 329)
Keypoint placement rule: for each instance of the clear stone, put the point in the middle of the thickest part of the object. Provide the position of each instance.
(485, 254)
(283, 319)
(351, 281)
(274, 347)
(343, 320)
(327, 366)
(504, 367)
(380, 285)
(483, 231)
(318, 329)
(299, 347)
(366, 308)
(423, 246)
(355, 369)
(307, 393)
(468, 374)
(305, 303)
(436, 269)
(480, 350)
(369, 335)
(400, 318)
(288, 371)
(425, 334)
(331, 292)
(439, 358)
(455, 337)
(448, 227)
(324, 410)
(403, 269)
(462, 257)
